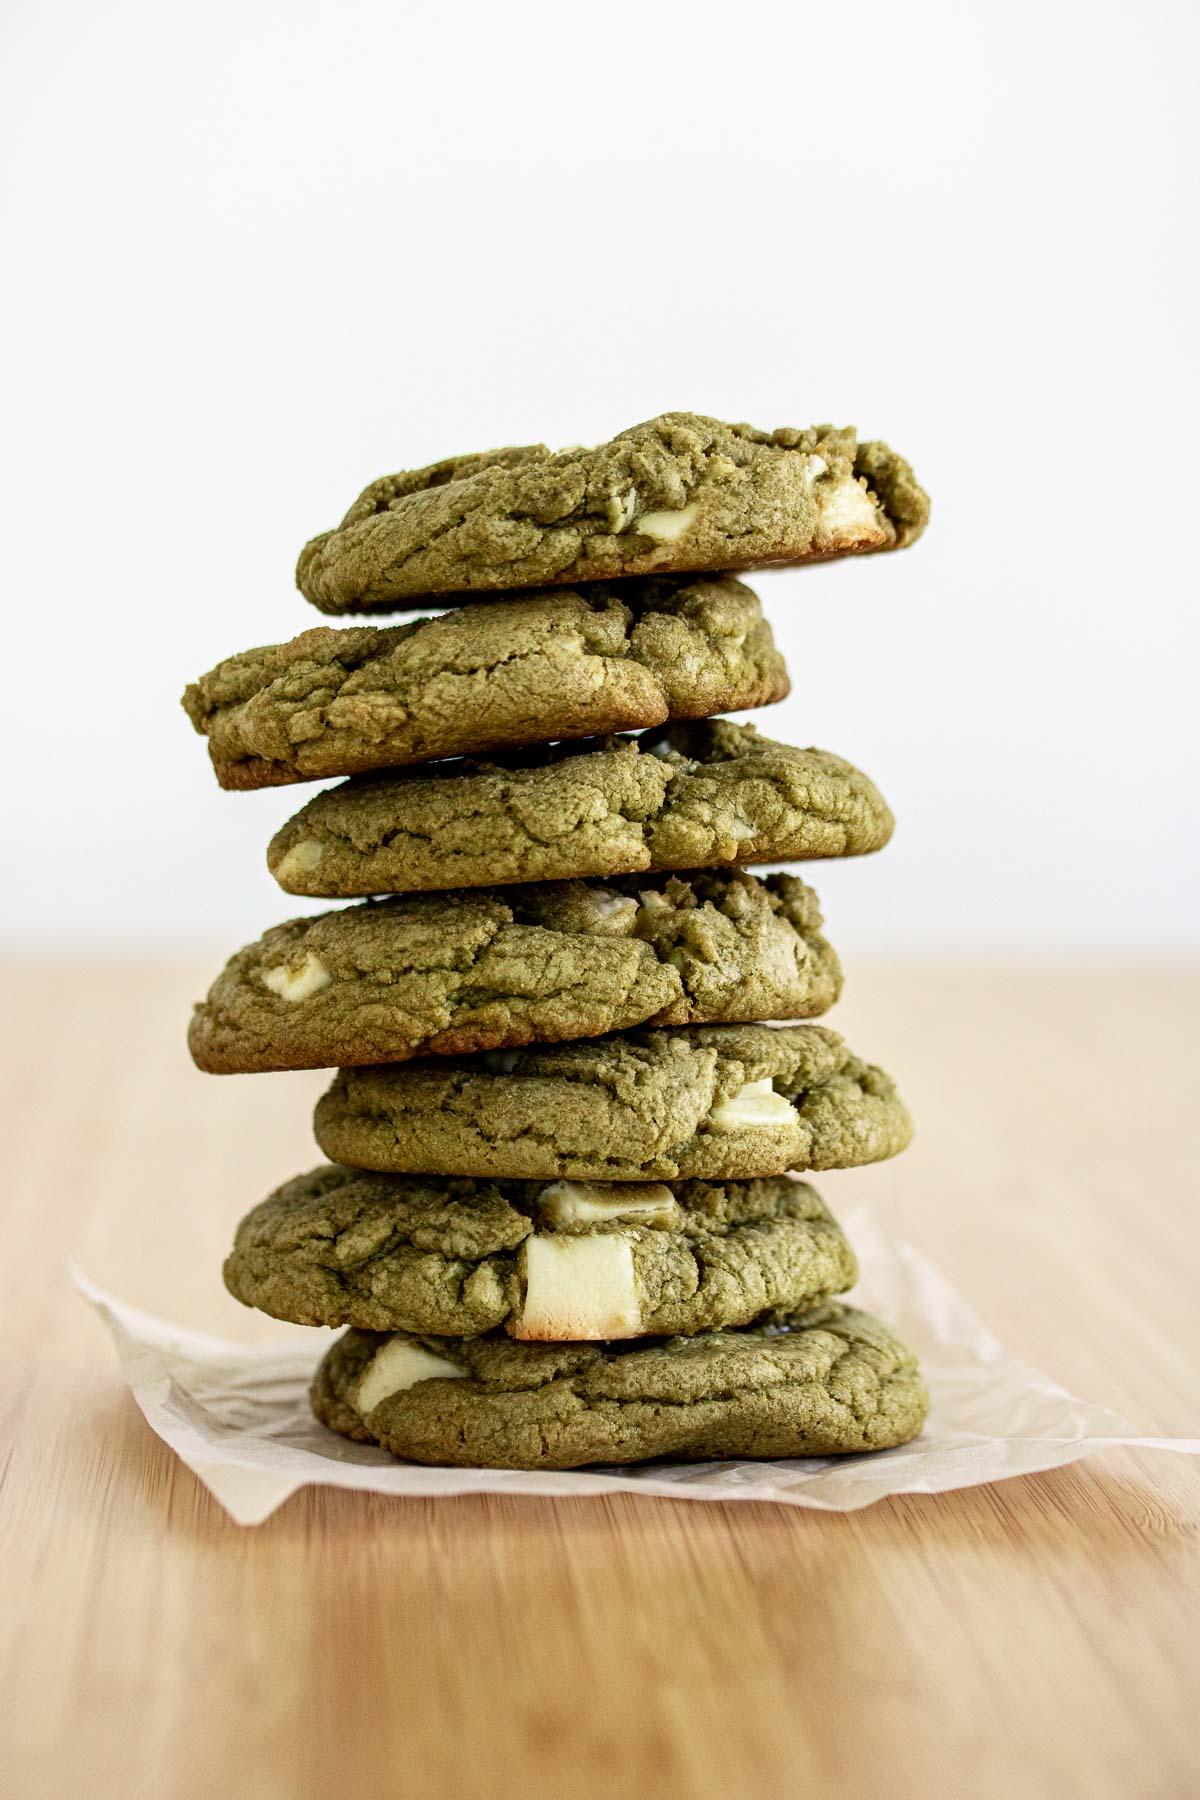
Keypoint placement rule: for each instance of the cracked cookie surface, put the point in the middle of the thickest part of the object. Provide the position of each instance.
(483, 969)
(458, 1258)
(524, 670)
(718, 1102)
(690, 797)
(828, 1382)
(679, 492)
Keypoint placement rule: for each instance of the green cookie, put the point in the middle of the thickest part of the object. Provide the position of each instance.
(717, 1102)
(829, 1382)
(560, 1261)
(690, 797)
(520, 671)
(678, 493)
(496, 968)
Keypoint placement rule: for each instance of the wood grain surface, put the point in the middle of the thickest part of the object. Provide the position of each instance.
(1036, 1638)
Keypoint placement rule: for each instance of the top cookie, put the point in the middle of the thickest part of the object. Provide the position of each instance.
(575, 663)
(677, 493)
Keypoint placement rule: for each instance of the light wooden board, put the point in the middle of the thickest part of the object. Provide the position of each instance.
(1035, 1638)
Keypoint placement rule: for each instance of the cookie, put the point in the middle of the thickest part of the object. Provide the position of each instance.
(689, 797)
(677, 493)
(562, 1261)
(568, 664)
(493, 968)
(829, 1382)
(711, 1102)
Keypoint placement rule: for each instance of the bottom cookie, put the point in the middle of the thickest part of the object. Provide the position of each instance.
(832, 1381)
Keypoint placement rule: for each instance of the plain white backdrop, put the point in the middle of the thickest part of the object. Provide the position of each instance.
(258, 254)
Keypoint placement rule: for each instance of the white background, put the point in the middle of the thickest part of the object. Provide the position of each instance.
(257, 255)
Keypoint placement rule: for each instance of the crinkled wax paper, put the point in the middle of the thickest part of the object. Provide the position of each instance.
(239, 1417)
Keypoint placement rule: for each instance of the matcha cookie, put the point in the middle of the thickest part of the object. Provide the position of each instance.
(520, 671)
(676, 493)
(561, 1262)
(830, 1382)
(491, 968)
(686, 798)
(711, 1102)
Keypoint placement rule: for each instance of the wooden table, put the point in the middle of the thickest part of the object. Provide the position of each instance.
(1034, 1638)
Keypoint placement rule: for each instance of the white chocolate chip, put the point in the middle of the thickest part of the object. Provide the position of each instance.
(298, 983)
(606, 903)
(665, 527)
(301, 859)
(395, 1366)
(754, 1106)
(620, 508)
(848, 516)
(651, 901)
(741, 830)
(596, 1202)
(578, 1288)
(612, 914)
(814, 467)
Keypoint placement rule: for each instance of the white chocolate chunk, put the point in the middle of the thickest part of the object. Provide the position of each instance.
(595, 1202)
(301, 859)
(651, 901)
(665, 527)
(578, 1288)
(755, 1105)
(395, 1366)
(298, 984)
(848, 515)
(612, 913)
(620, 508)
(816, 465)
(741, 830)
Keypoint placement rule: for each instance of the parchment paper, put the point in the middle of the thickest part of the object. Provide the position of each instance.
(239, 1417)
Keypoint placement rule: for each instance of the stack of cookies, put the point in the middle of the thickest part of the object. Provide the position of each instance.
(560, 1216)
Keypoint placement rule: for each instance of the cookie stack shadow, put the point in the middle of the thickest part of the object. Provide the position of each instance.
(561, 1216)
